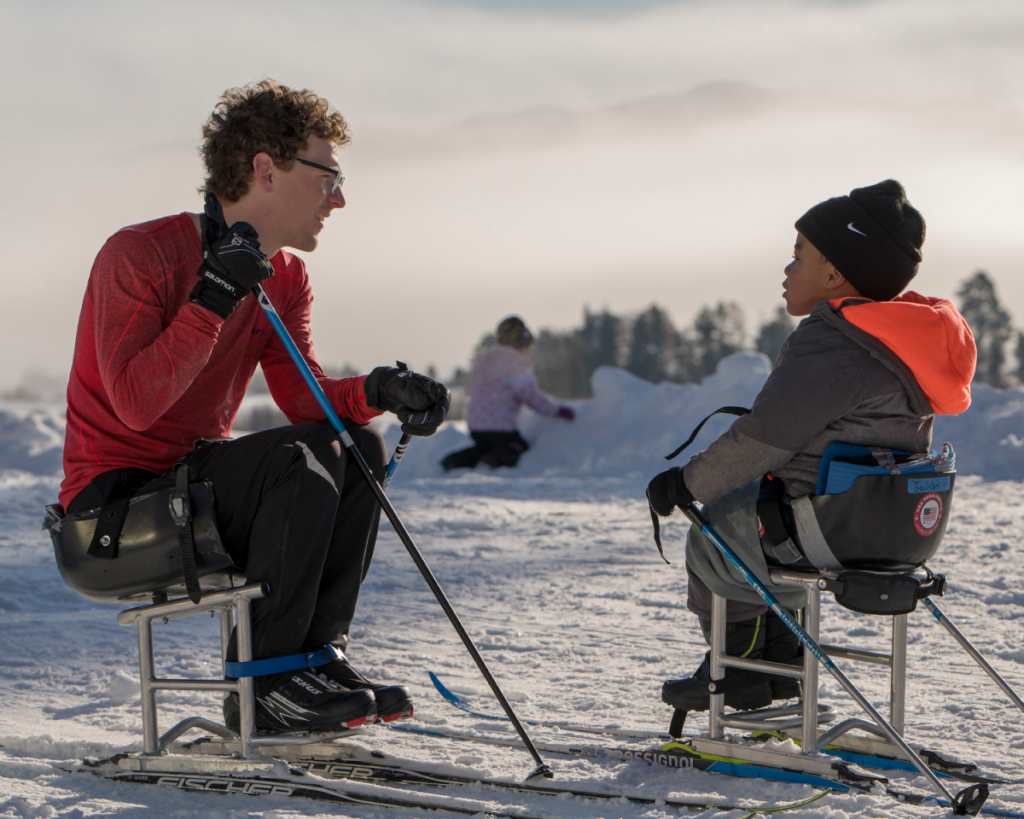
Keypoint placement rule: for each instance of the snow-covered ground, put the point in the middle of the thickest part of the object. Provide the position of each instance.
(553, 570)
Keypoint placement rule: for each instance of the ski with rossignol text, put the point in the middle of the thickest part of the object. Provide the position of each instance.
(400, 775)
(964, 771)
(681, 756)
(847, 777)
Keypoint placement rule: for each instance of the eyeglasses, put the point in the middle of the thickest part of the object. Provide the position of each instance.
(339, 177)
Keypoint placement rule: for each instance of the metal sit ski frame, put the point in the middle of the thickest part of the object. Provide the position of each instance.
(802, 721)
(241, 752)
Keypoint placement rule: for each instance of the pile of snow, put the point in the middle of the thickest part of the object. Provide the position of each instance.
(629, 425)
(31, 440)
(989, 437)
(624, 431)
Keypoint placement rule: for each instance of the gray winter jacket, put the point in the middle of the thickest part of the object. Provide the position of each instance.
(832, 382)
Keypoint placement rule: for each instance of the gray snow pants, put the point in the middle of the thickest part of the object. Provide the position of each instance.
(734, 517)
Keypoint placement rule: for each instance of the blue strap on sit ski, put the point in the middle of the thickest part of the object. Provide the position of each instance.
(275, 665)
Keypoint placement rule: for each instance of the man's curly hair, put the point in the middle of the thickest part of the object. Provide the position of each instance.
(262, 117)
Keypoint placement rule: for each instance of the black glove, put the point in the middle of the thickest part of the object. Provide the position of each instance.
(667, 491)
(232, 266)
(419, 402)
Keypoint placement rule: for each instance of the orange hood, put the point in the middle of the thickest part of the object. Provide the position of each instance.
(928, 335)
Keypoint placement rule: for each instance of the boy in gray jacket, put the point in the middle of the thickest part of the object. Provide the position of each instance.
(867, 366)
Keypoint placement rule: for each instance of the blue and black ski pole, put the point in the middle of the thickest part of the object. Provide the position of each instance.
(403, 534)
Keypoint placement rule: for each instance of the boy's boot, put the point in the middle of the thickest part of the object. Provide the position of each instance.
(782, 646)
(744, 690)
(296, 701)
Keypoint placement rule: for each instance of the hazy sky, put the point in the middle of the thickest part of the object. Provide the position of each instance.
(529, 157)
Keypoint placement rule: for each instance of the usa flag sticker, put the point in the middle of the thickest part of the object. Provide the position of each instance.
(928, 514)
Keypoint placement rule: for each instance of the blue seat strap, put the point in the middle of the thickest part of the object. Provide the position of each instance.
(275, 665)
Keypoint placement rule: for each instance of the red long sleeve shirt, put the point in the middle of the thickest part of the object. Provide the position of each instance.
(152, 372)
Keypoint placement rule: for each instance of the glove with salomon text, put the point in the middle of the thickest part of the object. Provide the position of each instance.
(667, 491)
(420, 403)
(232, 266)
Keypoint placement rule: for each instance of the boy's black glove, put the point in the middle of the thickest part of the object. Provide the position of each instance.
(667, 491)
(232, 266)
(420, 403)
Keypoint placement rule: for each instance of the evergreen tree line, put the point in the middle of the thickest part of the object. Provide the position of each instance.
(993, 333)
(650, 346)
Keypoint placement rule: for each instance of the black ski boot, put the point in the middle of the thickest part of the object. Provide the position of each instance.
(782, 646)
(294, 701)
(393, 701)
(744, 690)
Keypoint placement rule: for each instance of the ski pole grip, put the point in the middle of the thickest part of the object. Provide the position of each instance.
(403, 443)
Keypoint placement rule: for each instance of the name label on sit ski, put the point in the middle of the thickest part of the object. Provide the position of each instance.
(919, 486)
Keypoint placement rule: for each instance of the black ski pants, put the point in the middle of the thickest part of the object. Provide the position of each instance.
(294, 512)
(494, 448)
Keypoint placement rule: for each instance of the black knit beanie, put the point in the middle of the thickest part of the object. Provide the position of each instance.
(512, 332)
(873, 237)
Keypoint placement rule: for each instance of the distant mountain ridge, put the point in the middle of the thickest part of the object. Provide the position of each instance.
(700, 108)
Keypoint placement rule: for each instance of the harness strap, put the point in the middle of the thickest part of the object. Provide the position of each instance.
(724, 410)
(108, 526)
(885, 459)
(181, 512)
(657, 529)
(812, 541)
(117, 488)
(775, 537)
(275, 665)
(768, 511)
(693, 435)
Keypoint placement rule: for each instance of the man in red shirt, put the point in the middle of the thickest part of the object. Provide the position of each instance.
(162, 360)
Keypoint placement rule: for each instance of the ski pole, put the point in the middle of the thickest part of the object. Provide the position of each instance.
(969, 800)
(403, 534)
(403, 443)
(967, 646)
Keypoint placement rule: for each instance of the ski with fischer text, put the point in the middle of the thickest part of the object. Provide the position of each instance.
(316, 779)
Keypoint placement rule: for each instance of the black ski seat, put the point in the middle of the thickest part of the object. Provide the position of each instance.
(874, 509)
(144, 556)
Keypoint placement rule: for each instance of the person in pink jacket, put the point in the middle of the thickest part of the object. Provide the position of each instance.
(500, 382)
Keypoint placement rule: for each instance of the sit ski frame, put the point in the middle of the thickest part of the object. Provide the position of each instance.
(967, 801)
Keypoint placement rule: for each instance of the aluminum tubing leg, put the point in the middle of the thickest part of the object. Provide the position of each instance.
(226, 624)
(967, 646)
(147, 673)
(898, 673)
(246, 688)
(716, 671)
(694, 514)
(812, 624)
